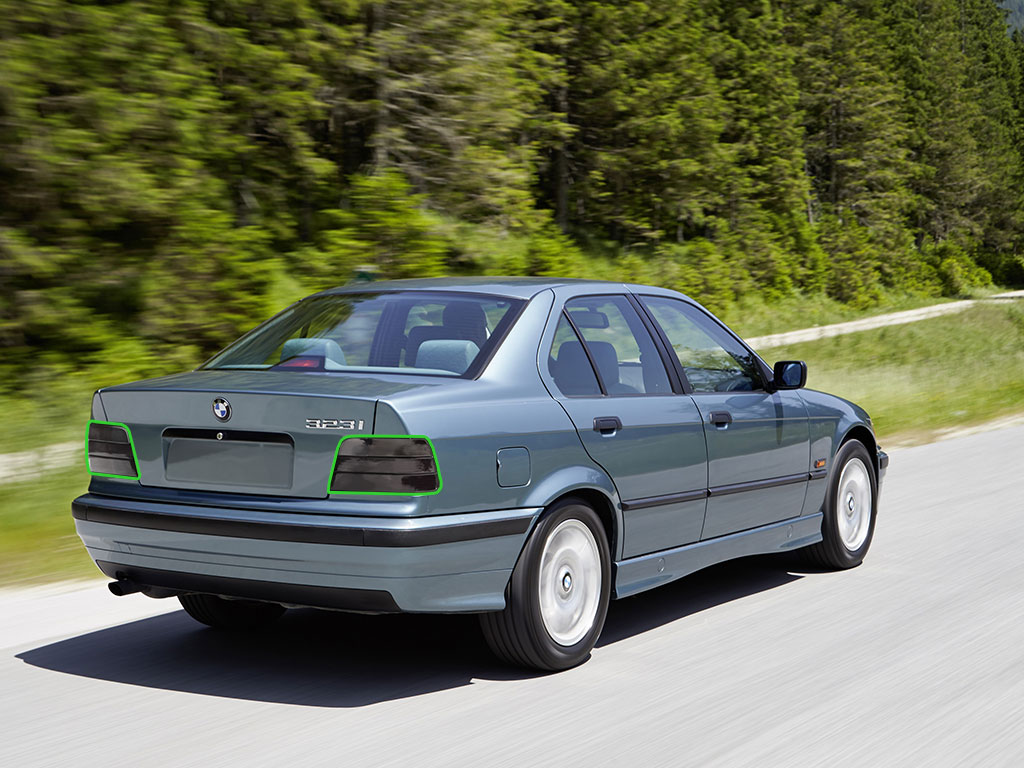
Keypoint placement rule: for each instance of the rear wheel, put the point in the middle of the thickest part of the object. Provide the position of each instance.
(851, 504)
(557, 599)
(229, 614)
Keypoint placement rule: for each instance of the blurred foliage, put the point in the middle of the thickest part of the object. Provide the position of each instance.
(172, 172)
(37, 540)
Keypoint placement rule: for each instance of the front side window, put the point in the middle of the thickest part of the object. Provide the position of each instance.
(712, 359)
(615, 339)
(443, 334)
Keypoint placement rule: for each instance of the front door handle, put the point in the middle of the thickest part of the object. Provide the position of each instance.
(720, 418)
(607, 424)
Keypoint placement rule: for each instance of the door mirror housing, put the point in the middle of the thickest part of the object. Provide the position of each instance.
(789, 374)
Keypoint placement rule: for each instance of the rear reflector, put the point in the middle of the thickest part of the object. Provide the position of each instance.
(388, 464)
(110, 452)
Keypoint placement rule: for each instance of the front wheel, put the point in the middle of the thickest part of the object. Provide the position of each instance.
(851, 505)
(557, 599)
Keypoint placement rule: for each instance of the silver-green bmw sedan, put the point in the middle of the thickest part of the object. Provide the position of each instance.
(526, 449)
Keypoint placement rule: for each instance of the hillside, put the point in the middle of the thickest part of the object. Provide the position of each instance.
(171, 173)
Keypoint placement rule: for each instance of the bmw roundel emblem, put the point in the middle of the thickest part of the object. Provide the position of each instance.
(221, 409)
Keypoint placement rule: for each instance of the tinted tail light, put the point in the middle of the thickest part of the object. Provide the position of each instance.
(388, 464)
(110, 452)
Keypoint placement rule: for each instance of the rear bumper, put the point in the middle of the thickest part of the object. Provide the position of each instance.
(442, 564)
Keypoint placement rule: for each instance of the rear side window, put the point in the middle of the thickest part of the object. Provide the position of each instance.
(615, 340)
(442, 334)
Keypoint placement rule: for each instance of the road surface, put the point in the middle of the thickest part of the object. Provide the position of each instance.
(915, 658)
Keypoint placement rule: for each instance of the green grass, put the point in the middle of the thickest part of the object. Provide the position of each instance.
(920, 378)
(43, 419)
(37, 535)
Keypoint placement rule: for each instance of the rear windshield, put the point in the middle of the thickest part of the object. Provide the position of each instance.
(442, 334)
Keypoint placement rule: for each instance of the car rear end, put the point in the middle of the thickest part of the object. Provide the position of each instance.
(285, 472)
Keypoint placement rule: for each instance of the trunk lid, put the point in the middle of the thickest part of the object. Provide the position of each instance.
(280, 436)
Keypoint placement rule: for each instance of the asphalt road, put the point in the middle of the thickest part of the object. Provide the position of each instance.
(915, 658)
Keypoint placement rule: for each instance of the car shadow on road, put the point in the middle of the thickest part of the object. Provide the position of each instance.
(328, 659)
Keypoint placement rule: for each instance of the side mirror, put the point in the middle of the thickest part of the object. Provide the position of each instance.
(789, 374)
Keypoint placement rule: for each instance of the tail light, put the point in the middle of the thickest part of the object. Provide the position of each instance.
(386, 464)
(110, 452)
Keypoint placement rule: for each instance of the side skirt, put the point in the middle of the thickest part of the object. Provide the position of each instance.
(641, 573)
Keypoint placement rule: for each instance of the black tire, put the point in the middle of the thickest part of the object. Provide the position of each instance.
(518, 634)
(832, 552)
(230, 614)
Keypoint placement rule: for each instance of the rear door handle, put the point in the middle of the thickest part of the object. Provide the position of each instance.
(607, 424)
(720, 418)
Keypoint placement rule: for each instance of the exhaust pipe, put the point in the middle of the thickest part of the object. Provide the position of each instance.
(123, 587)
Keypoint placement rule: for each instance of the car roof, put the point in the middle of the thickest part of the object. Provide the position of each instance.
(515, 287)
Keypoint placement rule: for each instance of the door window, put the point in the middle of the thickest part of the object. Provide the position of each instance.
(615, 340)
(712, 359)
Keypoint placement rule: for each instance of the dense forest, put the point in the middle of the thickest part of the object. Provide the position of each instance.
(172, 171)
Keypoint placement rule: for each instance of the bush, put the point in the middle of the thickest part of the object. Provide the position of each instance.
(956, 272)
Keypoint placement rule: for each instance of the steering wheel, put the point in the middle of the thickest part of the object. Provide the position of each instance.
(739, 383)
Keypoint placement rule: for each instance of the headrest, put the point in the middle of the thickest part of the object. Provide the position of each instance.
(467, 319)
(572, 372)
(453, 355)
(606, 360)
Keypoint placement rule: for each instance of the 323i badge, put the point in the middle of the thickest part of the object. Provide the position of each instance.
(335, 424)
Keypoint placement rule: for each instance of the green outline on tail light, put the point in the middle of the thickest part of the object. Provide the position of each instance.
(433, 451)
(131, 444)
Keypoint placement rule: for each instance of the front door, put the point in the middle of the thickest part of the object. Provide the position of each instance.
(604, 368)
(757, 441)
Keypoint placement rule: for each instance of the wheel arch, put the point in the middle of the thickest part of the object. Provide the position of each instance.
(862, 433)
(605, 509)
(593, 486)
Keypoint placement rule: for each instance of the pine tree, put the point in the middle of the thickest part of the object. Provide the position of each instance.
(435, 91)
(648, 112)
(992, 74)
(767, 193)
(856, 138)
(940, 110)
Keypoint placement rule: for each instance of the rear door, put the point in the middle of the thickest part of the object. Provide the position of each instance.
(757, 441)
(602, 364)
